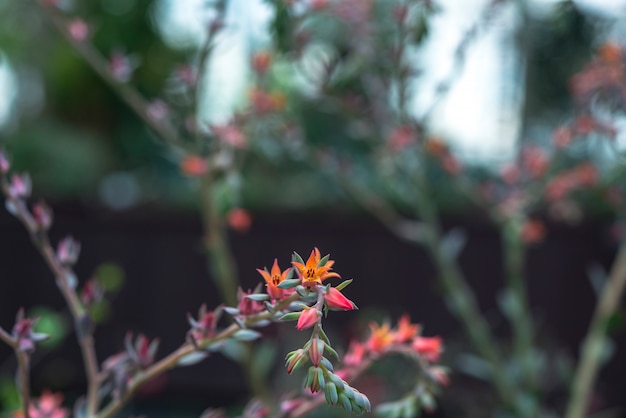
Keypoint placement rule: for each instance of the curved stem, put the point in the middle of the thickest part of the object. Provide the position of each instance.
(594, 343)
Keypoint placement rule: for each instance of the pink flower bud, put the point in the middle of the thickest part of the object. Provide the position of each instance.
(429, 347)
(43, 215)
(68, 251)
(20, 186)
(316, 351)
(5, 165)
(308, 318)
(78, 30)
(336, 300)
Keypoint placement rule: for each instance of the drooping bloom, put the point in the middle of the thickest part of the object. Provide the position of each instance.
(336, 300)
(273, 278)
(315, 270)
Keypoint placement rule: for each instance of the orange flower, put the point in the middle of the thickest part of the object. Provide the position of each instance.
(355, 354)
(382, 337)
(273, 279)
(315, 270)
(406, 331)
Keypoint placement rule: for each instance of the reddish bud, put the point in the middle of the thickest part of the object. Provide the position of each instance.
(121, 66)
(295, 359)
(194, 166)
(43, 215)
(246, 305)
(261, 61)
(20, 186)
(68, 251)
(316, 351)
(318, 4)
(336, 300)
(157, 110)
(308, 318)
(92, 292)
(231, 135)
(239, 219)
(78, 30)
(5, 165)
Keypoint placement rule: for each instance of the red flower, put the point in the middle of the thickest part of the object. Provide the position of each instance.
(239, 219)
(193, 166)
(406, 331)
(308, 318)
(429, 347)
(336, 300)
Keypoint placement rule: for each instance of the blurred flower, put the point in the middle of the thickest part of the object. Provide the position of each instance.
(92, 292)
(261, 61)
(231, 135)
(273, 278)
(401, 138)
(406, 331)
(510, 174)
(562, 137)
(355, 354)
(204, 327)
(78, 30)
(428, 347)
(121, 66)
(194, 166)
(381, 337)
(42, 215)
(533, 231)
(353, 12)
(535, 161)
(247, 306)
(239, 219)
(318, 4)
(142, 351)
(68, 251)
(157, 110)
(316, 269)
(20, 186)
(24, 334)
(49, 405)
(186, 74)
(265, 102)
(5, 165)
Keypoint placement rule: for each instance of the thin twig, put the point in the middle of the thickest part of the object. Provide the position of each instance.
(162, 127)
(24, 379)
(172, 360)
(62, 275)
(595, 340)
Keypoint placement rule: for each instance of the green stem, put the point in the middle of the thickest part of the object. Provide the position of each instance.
(221, 262)
(520, 314)
(595, 340)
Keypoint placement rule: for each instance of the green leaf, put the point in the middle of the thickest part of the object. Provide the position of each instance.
(246, 335)
(289, 284)
(192, 358)
(343, 284)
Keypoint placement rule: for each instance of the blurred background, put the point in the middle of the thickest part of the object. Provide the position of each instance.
(487, 83)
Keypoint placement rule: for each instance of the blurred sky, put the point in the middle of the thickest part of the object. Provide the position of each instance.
(480, 115)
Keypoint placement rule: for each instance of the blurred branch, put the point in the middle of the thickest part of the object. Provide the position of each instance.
(64, 276)
(593, 348)
(98, 63)
(173, 359)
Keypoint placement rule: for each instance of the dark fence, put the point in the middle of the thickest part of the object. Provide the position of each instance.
(162, 256)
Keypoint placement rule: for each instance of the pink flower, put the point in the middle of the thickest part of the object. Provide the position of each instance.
(336, 300)
(308, 318)
(78, 30)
